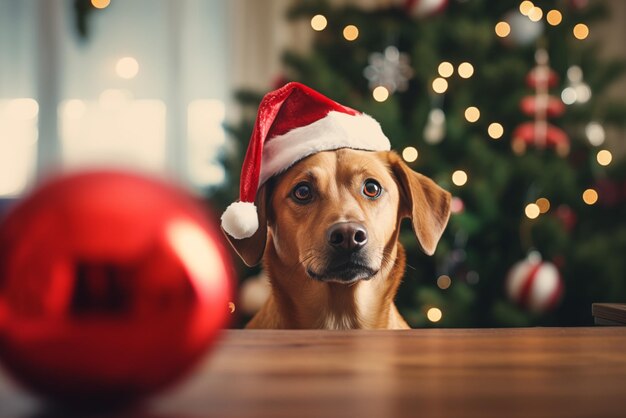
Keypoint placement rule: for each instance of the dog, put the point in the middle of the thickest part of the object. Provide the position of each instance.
(328, 238)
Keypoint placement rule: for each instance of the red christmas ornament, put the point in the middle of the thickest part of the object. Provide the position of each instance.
(541, 106)
(112, 286)
(534, 284)
(424, 8)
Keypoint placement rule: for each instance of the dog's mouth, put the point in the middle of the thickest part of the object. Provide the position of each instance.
(346, 273)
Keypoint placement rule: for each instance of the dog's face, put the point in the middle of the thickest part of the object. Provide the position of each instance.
(337, 214)
(334, 213)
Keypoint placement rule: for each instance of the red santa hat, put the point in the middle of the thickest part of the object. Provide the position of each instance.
(292, 123)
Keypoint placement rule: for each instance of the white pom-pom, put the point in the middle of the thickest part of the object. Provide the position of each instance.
(240, 220)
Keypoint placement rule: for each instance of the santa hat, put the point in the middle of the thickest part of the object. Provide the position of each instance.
(292, 123)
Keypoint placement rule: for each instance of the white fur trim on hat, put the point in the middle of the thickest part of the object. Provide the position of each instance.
(240, 220)
(335, 130)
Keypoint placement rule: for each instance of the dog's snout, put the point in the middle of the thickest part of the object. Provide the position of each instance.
(347, 236)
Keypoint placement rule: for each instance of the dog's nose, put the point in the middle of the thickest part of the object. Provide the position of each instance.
(347, 236)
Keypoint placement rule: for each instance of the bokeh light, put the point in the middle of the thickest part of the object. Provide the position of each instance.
(440, 85)
(472, 114)
(319, 22)
(410, 154)
(444, 282)
(380, 94)
(525, 7)
(604, 157)
(350, 32)
(543, 204)
(445, 69)
(434, 314)
(532, 210)
(466, 70)
(503, 29)
(590, 196)
(459, 178)
(535, 14)
(554, 17)
(495, 130)
(127, 67)
(100, 4)
(581, 31)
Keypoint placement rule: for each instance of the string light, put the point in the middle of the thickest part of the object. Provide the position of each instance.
(440, 85)
(445, 69)
(502, 29)
(472, 114)
(434, 314)
(380, 94)
(604, 157)
(581, 31)
(525, 7)
(319, 22)
(554, 17)
(466, 70)
(495, 130)
(444, 282)
(127, 67)
(350, 32)
(532, 210)
(459, 178)
(543, 204)
(100, 4)
(410, 154)
(535, 14)
(590, 196)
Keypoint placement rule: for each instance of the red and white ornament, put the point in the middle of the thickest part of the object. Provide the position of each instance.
(534, 284)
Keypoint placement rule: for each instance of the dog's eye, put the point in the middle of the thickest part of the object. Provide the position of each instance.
(302, 192)
(372, 189)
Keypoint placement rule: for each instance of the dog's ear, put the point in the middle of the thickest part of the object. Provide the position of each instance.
(251, 249)
(422, 200)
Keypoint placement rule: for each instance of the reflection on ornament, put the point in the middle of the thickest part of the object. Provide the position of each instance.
(435, 129)
(390, 69)
(595, 133)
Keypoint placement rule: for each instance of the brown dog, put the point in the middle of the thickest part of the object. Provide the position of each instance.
(328, 237)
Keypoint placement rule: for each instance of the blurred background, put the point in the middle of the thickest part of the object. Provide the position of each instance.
(517, 108)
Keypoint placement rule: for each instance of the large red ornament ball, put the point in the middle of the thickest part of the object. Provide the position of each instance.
(112, 286)
(534, 284)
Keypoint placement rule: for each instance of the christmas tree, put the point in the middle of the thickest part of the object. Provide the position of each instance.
(503, 104)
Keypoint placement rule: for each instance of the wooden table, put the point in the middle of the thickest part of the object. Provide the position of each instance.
(539, 372)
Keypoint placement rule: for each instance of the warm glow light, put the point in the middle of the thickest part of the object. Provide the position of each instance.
(543, 204)
(127, 67)
(581, 31)
(440, 85)
(22, 109)
(502, 29)
(459, 177)
(445, 69)
(409, 154)
(554, 17)
(100, 4)
(472, 114)
(380, 94)
(434, 314)
(525, 7)
(350, 32)
(532, 210)
(604, 157)
(466, 70)
(535, 14)
(444, 282)
(319, 22)
(590, 196)
(495, 130)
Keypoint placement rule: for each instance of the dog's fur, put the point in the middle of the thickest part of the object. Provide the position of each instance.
(293, 240)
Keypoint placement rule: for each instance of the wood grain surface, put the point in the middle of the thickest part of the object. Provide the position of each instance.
(538, 372)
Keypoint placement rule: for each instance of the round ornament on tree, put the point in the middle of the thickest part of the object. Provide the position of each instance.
(112, 286)
(534, 284)
(523, 30)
